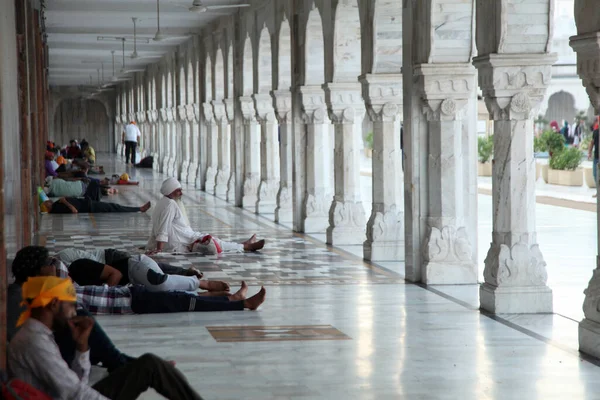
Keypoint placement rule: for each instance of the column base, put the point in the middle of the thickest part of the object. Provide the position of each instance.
(285, 214)
(185, 172)
(222, 184)
(211, 175)
(347, 223)
(155, 162)
(250, 192)
(383, 251)
(449, 273)
(230, 197)
(589, 337)
(284, 211)
(267, 197)
(515, 299)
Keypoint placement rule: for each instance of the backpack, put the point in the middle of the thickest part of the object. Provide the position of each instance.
(16, 389)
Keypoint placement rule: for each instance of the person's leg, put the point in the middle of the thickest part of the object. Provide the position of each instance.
(93, 191)
(595, 170)
(148, 371)
(145, 271)
(145, 302)
(127, 151)
(102, 349)
(103, 207)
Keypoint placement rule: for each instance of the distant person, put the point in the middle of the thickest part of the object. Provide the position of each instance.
(565, 132)
(49, 164)
(73, 151)
(131, 138)
(73, 205)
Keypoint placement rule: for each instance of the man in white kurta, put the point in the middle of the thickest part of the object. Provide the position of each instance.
(171, 231)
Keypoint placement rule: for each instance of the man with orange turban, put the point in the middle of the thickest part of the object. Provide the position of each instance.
(34, 357)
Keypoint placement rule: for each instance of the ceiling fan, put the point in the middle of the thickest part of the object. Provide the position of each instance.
(198, 7)
(135, 54)
(159, 37)
(123, 70)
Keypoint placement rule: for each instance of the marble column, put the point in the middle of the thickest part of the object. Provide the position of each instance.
(445, 90)
(317, 200)
(150, 114)
(192, 143)
(224, 159)
(252, 153)
(513, 86)
(269, 154)
(163, 136)
(347, 222)
(184, 144)
(211, 149)
(118, 133)
(230, 110)
(283, 106)
(587, 47)
(385, 228)
(174, 139)
(199, 130)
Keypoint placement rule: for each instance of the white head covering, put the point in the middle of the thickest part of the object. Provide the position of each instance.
(169, 186)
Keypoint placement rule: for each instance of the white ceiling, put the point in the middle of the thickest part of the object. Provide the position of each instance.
(73, 27)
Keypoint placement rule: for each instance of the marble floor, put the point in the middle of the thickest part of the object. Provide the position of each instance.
(335, 327)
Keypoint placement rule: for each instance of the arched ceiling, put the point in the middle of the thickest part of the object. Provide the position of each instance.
(73, 28)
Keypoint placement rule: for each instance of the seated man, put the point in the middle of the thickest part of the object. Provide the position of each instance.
(171, 229)
(33, 261)
(136, 299)
(34, 357)
(73, 205)
(73, 151)
(113, 267)
(49, 164)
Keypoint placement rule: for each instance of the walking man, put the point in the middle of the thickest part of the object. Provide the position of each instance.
(131, 139)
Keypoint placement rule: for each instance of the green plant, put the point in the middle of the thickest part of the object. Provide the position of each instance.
(551, 142)
(566, 160)
(485, 148)
(585, 143)
(539, 145)
(369, 140)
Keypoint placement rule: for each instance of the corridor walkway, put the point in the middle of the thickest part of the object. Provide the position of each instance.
(334, 327)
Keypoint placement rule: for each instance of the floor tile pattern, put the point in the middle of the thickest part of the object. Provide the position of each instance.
(275, 333)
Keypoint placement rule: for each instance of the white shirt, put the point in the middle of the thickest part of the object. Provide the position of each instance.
(170, 225)
(34, 357)
(131, 133)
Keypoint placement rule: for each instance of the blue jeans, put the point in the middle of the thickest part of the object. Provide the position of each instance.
(144, 301)
(595, 170)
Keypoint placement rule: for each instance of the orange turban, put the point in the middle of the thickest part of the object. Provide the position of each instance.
(39, 291)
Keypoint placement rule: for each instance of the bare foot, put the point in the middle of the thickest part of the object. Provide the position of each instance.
(254, 246)
(145, 207)
(240, 294)
(214, 286)
(253, 302)
(251, 240)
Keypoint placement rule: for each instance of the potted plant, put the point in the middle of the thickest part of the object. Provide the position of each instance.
(551, 142)
(369, 145)
(564, 168)
(485, 149)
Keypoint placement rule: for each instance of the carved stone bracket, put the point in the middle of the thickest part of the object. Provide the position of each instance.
(190, 113)
(264, 107)
(345, 102)
(163, 115)
(514, 85)
(283, 105)
(230, 109)
(587, 48)
(171, 114)
(141, 117)
(314, 105)
(248, 110)
(182, 113)
(383, 96)
(209, 116)
(118, 119)
(197, 112)
(519, 265)
(219, 111)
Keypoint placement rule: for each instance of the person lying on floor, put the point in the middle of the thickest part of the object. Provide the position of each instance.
(35, 261)
(87, 188)
(73, 205)
(34, 356)
(136, 299)
(113, 268)
(123, 180)
(171, 229)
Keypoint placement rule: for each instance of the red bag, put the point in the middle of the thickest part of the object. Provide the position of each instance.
(19, 390)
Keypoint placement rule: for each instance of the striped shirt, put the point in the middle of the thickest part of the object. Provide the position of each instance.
(34, 357)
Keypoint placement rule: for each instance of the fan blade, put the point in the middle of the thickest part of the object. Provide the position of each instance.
(229, 6)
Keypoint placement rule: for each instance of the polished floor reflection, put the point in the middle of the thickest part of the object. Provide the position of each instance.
(401, 341)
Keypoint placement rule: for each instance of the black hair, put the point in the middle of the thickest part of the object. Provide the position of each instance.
(29, 261)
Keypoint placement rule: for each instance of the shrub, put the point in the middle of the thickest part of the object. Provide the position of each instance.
(566, 160)
(485, 148)
(369, 140)
(551, 142)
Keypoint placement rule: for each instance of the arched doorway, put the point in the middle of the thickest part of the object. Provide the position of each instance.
(82, 119)
(561, 105)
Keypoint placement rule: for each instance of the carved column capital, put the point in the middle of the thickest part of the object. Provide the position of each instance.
(219, 111)
(189, 113)
(118, 119)
(163, 115)
(182, 113)
(248, 110)
(230, 109)
(209, 116)
(131, 117)
(141, 116)
(445, 89)
(314, 106)
(264, 107)
(346, 105)
(383, 96)
(587, 48)
(514, 85)
(283, 105)
(197, 111)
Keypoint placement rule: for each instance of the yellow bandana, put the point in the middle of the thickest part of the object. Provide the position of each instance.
(39, 292)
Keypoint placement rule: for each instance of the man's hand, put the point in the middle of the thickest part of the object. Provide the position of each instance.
(81, 327)
(194, 272)
(152, 252)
